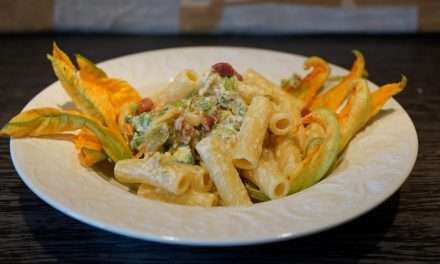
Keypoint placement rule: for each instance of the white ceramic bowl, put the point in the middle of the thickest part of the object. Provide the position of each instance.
(376, 163)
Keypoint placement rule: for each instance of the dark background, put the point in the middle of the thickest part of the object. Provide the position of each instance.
(404, 229)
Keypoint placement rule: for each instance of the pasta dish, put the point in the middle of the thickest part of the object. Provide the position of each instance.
(218, 138)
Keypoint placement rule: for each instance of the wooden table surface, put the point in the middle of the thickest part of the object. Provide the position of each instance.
(404, 229)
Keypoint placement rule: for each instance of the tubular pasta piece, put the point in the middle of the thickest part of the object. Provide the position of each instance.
(268, 177)
(190, 197)
(157, 170)
(287, 153)
(222, 171)
(280, 123)
(184, 84)
(250, 138)
(200, 180)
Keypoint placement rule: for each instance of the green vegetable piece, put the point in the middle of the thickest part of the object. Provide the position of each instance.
(224, 132)
(183, 154)
(229, 84)
(178, 104)
(204, 104)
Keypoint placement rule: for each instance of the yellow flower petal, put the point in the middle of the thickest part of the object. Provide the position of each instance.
(49, 121)
(310, 85)
(334, 97)
(316, 164)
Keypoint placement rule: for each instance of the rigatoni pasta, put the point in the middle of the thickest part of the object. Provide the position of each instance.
(200, 179)
(281, 123)
(252, 132)
(157, 170)
(268, 177)
(222, 171)
(184, 83)
(287, 153)
(252, 77)
(286, 107)
(190, 197)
